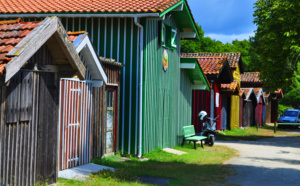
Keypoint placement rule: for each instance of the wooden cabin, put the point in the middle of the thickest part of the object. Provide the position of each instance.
(271, 111)
(261, 102)
(229, 90)
(217, 71)
(138, 36)
(34, 57)
(250, 103)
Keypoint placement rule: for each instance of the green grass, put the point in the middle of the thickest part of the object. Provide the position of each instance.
(197, 167)
(251, 133)
(201, 166)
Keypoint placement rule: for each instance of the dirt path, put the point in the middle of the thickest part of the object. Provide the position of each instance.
(273, 161)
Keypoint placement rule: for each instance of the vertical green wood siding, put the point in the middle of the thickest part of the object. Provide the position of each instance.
(163, 101)
(185, 101)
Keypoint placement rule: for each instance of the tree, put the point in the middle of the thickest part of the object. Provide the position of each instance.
(206, 44)
(276, 44)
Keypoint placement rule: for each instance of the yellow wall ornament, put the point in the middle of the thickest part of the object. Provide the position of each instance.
(165, 60)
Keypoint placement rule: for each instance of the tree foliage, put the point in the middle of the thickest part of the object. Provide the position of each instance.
(206, 44)
(277, 43)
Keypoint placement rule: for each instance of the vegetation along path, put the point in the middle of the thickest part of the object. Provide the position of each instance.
(272, 161)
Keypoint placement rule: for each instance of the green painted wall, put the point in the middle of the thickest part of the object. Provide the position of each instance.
(165, 104)
(185, 100)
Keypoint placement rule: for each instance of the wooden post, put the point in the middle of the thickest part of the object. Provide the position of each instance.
(275, 127)
(257, 126)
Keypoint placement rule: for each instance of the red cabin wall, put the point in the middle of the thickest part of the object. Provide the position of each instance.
(259, 112)
(219, 108)
(201, 101)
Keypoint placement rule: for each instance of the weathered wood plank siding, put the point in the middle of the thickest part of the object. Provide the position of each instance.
(28, 129)
(99, 118)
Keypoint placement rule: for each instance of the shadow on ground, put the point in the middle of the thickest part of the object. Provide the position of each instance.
(279, 141)
(250, 175)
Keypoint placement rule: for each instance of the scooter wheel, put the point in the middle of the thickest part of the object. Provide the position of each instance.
(211, 141)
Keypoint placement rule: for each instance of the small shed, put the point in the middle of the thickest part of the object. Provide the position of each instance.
(249, 107)
(271, 112)
(232, 89)
(261, 102)
(34, 56)
(78, 109)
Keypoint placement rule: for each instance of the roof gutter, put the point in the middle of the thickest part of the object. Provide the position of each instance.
(79, 15)
(141, 34)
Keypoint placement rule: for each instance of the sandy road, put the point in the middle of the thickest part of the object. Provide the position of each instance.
(273, 161)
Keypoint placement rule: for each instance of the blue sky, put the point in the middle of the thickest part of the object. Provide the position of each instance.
(224, 20)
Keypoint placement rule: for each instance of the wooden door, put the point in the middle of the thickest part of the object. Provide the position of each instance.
(75, 123)
(111, 126)
(47, 128)
(224, 113)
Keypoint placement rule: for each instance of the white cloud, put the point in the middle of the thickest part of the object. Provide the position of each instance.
(229, 38)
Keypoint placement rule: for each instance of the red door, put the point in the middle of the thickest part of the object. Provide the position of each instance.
(75, 122)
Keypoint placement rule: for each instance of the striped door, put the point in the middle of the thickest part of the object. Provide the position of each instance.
(75, 122)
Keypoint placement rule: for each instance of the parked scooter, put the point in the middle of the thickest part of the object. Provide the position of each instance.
(209, 128)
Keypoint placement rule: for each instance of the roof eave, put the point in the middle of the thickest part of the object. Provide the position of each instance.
(84, 44)
(186, 6)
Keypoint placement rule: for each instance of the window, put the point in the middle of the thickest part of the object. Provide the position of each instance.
(168, 36)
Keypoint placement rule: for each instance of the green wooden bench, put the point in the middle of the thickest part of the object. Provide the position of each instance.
(189, 135)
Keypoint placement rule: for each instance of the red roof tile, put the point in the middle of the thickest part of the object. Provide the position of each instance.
(231, 86)
(250, 77)
(211, 65)
(233, 58)
(11, 33)
(84, 6)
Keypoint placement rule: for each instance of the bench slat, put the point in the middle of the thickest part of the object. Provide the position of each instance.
(197, 138)
(188, 131)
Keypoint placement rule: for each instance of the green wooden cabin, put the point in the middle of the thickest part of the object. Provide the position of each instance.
(156, 94)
